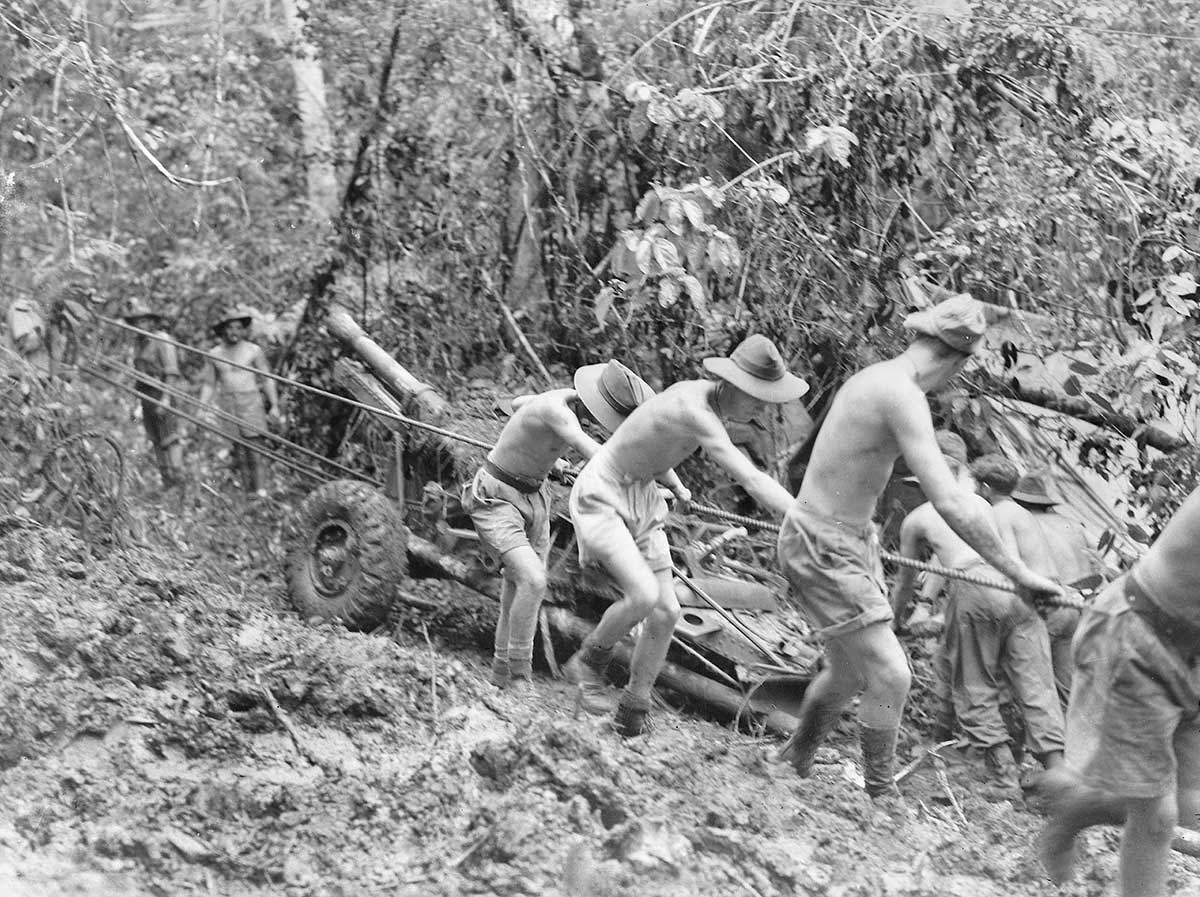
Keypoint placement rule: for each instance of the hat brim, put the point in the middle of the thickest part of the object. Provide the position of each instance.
(1032, 498)
(786, 389)
(142, 314)
(221, 323)
(923, 323)
(587, 384)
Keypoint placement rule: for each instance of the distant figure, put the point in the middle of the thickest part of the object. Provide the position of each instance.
(1074, 561)
(240, 395)
(1133, 724)
(991, 638)
(155, 357)
(829, 545)
(509, 498)
(26, 335)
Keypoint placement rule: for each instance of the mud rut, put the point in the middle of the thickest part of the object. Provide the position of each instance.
(170, 726)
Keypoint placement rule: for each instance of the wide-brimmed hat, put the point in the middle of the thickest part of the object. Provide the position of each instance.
(1035, 489)
(233, 313)
(610, 392)
(757, 368)
(959, 322)
(137, 308)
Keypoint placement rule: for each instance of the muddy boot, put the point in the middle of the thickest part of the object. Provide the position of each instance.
(630, 717)
(879, 760)
(1004, 781)
(816, 722)
(500, 675)
(520, 676)
(585, 670)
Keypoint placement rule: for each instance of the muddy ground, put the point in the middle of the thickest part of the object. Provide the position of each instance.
(168, 725)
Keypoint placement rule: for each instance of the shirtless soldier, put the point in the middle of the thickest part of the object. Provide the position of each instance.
(991, 636)
(829, 547)
(509, 499)
(618, 510)
(240, 394)
(1133, 723)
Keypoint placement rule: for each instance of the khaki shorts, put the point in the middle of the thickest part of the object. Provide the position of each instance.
(615, 515)
(506, 518)
(835, 569)
(249, 409)
(1133, 723)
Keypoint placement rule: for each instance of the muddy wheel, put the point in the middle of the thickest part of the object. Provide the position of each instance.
(350, 554)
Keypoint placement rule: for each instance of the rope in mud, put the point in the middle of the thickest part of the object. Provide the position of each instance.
(901, 560)
(287, 381)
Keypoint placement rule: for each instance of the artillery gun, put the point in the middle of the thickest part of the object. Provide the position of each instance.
(737, 648)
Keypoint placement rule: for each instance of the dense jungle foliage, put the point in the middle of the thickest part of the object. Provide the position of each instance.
(650, 180)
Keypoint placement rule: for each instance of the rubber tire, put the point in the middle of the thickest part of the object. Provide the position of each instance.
(377, 553)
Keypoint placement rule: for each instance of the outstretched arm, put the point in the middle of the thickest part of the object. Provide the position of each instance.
(913, 428)
(565, 425)
(911, 534)
(762, 488)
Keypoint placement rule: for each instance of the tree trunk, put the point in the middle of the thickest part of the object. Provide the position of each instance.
(314, 113)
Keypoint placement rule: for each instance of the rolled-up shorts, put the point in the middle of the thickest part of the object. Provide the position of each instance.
(249, 409)
(835, 569)
(505, 517)
(614, 514)
(1133, 723)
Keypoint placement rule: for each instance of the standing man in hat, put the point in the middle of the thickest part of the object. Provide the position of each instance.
(829, 545)
(509, 498)
(240, 394)
(155, 357)
(1069, 550)
(998, 483)
(991, 636)
(1133, 724)
(618, 511)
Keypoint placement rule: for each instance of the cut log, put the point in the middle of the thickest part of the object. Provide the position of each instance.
(1187, 841)
(716, 696)
(390, 372)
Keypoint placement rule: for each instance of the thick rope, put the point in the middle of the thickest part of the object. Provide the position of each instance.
(899, 559)
(949, 573)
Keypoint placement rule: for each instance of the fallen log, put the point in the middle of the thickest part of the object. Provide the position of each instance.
(1187, 841)
(720, 698)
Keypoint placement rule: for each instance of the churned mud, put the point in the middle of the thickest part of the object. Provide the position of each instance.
(168, 725)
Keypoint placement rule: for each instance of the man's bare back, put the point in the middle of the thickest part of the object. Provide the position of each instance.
(1022, 536)
(949, 548)
(238, 379)
(664, 430)
(857, 447)
(533, 440)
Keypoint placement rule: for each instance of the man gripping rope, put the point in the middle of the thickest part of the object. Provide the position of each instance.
(829, 546)
(618, 510)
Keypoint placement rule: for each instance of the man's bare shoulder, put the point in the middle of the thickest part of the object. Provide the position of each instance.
(882, 382)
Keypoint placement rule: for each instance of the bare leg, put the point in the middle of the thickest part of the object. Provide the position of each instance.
(824, 700)
(523, 567)
(651, 650)
(500, 671)
(1145, 844)
(1072, 808)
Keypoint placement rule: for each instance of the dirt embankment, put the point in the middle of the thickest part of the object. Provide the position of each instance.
(168, 726)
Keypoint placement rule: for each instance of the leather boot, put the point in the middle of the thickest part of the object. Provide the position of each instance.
(500, 673)
(630, 717)
(1004, 781)
(585, 670)
(879, 759)
(817, 720)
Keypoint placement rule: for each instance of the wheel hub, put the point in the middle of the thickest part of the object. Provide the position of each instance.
(333, 560)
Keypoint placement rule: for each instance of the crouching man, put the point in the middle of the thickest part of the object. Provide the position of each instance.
(509, 499)
(618, 511)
